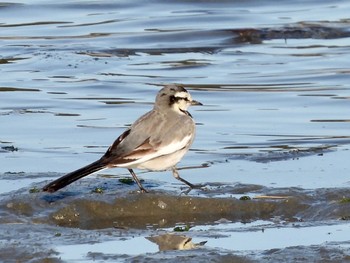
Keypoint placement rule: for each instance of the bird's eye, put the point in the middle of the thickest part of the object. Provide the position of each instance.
(182, 98)
(174, 99)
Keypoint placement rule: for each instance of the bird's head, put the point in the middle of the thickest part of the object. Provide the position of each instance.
(176, 97)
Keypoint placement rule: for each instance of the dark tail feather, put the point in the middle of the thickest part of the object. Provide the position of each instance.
(73, 176)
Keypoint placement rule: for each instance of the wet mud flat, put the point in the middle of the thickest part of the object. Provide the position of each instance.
(121, 224)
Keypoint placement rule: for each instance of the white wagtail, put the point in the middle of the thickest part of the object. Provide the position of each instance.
(156, 141)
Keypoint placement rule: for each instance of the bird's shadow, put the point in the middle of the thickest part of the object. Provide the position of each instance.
(112, 189)
(53, 197)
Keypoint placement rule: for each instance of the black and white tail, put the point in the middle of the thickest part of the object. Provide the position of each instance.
(73, 176)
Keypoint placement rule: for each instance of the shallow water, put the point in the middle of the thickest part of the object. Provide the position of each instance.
(274, 81)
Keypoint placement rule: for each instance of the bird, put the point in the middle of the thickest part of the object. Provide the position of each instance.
(156, 141)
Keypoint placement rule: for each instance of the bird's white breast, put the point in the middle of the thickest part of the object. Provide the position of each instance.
(170, 154)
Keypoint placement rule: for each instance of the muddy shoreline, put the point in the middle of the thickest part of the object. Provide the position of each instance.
(40, 221)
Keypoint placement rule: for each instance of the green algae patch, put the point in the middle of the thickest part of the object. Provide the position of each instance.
(344, 200)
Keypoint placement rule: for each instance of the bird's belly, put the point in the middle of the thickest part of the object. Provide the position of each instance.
(163, 162)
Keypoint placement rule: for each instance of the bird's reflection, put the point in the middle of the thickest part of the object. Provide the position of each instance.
(174, 242)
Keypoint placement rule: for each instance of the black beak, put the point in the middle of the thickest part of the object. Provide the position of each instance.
(195, 103)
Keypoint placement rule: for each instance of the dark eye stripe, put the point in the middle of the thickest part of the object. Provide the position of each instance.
(173, 99)
(181, 98)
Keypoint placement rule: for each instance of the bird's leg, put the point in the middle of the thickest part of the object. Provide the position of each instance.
(142, 189)
(177, 176)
